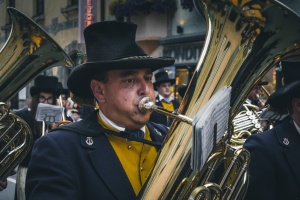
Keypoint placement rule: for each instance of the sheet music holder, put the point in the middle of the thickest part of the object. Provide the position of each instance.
(209, 126)
(49, 113)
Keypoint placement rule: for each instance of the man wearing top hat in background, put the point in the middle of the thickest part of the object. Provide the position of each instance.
(63, 94)
(275, 154)
(76, 115)
(111, 153)
(44, 90)
(254, 95)
(164, 98)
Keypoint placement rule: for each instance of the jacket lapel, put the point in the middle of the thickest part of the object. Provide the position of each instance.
(105, 159)
(289, 138)
(109, 167)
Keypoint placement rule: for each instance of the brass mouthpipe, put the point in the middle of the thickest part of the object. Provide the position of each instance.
(146, 105)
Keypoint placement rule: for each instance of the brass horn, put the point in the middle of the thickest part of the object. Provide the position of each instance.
(28, 51)
(244, 40)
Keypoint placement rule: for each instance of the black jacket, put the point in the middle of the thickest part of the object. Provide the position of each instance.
(275, 163)
(77, 161)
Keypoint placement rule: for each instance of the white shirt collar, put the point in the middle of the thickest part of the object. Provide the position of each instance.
(248, 101)
(297, 127)
(114, 125)
(160, 97)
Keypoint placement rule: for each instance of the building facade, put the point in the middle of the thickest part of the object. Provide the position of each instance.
(178, 33)
(171, 28)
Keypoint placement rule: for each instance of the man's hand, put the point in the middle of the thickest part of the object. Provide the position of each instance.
(3, 185)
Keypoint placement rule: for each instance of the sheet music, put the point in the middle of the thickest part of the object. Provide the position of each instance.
(49, 113)
(211, 119)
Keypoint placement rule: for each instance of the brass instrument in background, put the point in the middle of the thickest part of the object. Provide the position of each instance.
(244, 40)
(248, 120)
(28, 51)
(64, 121)
(15, 140)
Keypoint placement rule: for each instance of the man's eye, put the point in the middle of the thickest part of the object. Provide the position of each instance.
(148, 79)
(130, 81)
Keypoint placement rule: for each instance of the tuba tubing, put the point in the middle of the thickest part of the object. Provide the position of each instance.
(244, 40)
(28, 51)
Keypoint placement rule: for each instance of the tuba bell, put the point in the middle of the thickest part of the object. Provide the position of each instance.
(244, 40)
(28, 51)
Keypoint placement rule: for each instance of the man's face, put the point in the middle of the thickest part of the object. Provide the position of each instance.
(119, 97)
(164, 89)
(75, 116)
(255, 93)
(45, 97)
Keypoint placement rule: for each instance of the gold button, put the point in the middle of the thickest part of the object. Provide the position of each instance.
(129, 147)
(142, 169)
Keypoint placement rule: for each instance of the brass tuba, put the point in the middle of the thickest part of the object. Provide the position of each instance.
(28, 51)
(244, 40)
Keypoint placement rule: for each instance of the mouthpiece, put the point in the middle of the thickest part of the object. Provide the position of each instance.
(146, 104)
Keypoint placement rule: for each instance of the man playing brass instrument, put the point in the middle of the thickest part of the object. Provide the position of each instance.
(43, 91)
(254, 96)
(164, 97)
(110, 154)
(275, 154)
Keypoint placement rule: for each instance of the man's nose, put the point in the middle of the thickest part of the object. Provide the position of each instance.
(144, 87)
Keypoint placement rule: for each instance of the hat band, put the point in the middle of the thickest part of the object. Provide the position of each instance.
(136, 57)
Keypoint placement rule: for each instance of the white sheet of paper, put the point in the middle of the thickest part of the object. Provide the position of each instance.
(49, 113)
(214, 113)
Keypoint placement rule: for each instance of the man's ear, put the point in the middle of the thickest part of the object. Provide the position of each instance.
(297, 102)
(98, 90)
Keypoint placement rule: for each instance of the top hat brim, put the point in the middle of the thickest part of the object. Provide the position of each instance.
(261, 83)
(62, 91)
(81, 76)
(157, 83)
(282, 97)
(36, 90)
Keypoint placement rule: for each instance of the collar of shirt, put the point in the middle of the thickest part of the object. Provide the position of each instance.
(249, 101)
(160, 97)
(297, 127)
(114, 125)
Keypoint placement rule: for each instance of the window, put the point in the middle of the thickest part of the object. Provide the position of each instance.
(39, 7)
(12, 3)
(74, 2)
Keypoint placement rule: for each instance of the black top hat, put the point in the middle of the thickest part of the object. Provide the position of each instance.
(76, 111)
(162, 77)
(261, 83)
(281, 98)
(44, 83)
(110, 45)
(60, 90)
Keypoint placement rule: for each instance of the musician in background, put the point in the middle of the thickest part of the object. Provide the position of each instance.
(76, 115)
(164, 98)
(63, 94)
(254, 96)
(43, 91)
(275, 158)
(111, 153)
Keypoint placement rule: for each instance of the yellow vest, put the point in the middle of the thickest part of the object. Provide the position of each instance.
(137, 159)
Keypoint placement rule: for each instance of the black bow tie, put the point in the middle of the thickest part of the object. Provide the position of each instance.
(134, 134)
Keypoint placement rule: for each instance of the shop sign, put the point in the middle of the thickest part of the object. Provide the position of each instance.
(184, 53)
